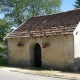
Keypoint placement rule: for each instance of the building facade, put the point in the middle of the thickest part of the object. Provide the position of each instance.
(50, 41)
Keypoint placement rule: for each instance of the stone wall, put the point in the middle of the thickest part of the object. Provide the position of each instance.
(59, 55)
(77, 47)
(18, 55)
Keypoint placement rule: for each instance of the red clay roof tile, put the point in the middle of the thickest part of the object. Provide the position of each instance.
(55, 24)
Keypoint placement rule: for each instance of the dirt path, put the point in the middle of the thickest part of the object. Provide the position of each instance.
(69, 75)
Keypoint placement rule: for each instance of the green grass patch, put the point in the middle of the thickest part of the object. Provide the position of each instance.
(3, 62)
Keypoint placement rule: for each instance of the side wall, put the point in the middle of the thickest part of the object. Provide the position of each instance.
(59, 55)
(77, 47)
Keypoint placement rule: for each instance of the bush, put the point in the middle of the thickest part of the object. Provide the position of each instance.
(3, 50)
(3, 62)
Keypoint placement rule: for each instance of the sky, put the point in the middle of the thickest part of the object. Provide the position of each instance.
(66, 5)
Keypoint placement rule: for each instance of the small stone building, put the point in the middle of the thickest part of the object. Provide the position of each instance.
(50, 41)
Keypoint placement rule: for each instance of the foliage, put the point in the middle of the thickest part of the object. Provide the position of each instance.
(45, 44)
(20, 44)
(77, 4)
(3, 62)
(3, 50)
(17, 11)
(4, 28)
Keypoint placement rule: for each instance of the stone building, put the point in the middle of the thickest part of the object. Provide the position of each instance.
(50, 41)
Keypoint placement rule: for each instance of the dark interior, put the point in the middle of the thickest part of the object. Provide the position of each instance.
(37, 56)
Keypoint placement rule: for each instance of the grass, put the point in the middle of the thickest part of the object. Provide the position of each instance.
(2, 62)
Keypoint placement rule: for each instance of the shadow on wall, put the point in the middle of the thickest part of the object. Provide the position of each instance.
(31, 54)
(77, 64)
(74, 66)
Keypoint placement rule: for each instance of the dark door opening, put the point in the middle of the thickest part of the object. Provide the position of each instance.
(37, 56)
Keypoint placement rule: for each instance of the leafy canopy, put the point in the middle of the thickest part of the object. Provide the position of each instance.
(77, 4)
(4, 28)
(17, 11)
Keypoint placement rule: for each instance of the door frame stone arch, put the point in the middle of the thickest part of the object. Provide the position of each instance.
(31, 54)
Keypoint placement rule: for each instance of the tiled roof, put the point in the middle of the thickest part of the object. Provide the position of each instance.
(60, 23)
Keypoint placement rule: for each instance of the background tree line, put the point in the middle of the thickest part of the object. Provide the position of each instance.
(17, 11)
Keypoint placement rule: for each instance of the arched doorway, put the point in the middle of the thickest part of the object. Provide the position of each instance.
(37, 56)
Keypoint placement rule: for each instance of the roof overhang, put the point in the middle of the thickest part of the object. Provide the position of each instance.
(13, 30)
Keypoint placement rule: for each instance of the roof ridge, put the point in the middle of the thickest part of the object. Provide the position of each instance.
(56, 13)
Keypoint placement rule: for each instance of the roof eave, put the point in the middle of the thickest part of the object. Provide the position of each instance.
(13, 31)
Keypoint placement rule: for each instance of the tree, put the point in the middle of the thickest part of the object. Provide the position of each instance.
(77, 4)
(17, 11)
(4, 28)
